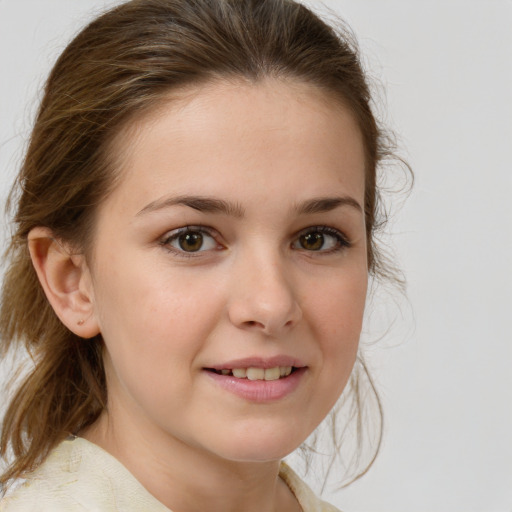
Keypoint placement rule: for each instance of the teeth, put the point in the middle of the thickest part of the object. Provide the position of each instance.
(260, 373)
(272, 373)
(255, 373)
(284, 371)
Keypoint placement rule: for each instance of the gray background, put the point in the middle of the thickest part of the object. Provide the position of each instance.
(444, 370)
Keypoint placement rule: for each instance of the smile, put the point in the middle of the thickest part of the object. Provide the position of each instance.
(258, 384)
(254, 373)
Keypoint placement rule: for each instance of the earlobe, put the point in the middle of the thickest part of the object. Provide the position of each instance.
(66, 281)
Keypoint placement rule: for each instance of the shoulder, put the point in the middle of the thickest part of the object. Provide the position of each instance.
(36, 494)
(307, 499)
(79, 476)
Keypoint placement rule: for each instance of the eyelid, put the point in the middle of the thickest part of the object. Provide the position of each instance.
(343, 241)
(174, 234)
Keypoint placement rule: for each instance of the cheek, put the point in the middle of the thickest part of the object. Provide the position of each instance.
(335, 314)
(338, 310)
(151, 318)
(339, 307)
(153, 333)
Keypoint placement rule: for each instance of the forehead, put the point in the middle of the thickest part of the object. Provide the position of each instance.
(218, 133)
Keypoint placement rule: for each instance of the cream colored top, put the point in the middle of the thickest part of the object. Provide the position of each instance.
(79, 476)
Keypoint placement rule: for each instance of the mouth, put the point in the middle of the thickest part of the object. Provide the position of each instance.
(259, 380)
(256, 373)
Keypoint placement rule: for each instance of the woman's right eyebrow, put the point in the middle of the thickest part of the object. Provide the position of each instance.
(200, 203)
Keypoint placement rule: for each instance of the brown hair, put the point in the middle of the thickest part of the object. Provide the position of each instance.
(119, 66)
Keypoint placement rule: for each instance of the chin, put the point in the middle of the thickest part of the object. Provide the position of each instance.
(260, 446)
(264, 454)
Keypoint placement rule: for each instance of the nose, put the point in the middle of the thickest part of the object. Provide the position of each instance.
(263, 297)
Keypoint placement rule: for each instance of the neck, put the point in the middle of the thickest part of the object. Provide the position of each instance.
(189, 479)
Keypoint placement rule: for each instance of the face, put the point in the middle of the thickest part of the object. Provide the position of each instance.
(229, 269)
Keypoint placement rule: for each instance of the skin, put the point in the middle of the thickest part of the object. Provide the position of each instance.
(252, 290)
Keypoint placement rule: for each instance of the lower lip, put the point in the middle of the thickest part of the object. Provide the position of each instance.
(260, 391)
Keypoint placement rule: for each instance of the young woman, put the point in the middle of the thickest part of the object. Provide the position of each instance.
(195, 231)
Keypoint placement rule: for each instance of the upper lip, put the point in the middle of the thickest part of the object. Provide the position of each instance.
(259, 362)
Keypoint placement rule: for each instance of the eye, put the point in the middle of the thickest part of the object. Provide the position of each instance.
(320, 239)
(189, 240)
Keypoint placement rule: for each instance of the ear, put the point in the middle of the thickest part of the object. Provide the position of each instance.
(66, 281)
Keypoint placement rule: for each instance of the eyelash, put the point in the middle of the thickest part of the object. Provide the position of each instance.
(341, 241)
(175, 235)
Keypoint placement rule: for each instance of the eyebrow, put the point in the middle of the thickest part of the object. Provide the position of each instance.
(213, 205)
(202, 204)
(327, 204)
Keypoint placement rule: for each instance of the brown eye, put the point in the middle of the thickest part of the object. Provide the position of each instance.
(322, 239)
(191, 241)
(312, 241)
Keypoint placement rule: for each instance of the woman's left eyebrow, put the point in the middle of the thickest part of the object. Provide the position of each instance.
(327, 204)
